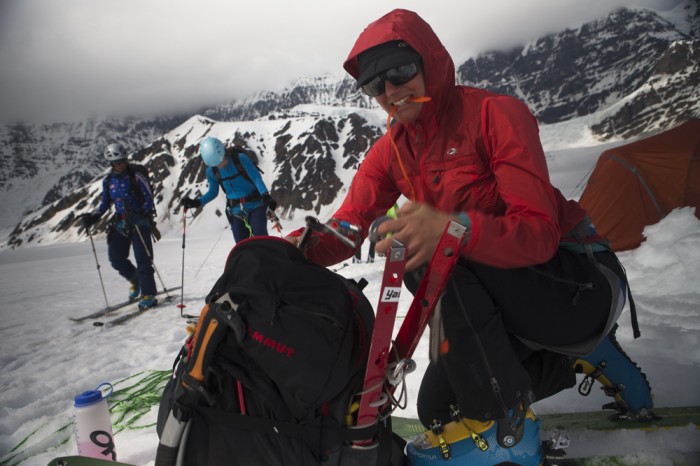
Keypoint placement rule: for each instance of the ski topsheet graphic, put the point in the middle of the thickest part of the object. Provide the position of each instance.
(585, 423)
(668, 418)
(130, 315)
(590, 434)
(117, 307)
(392, 362)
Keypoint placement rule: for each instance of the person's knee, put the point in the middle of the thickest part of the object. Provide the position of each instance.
(117, 258)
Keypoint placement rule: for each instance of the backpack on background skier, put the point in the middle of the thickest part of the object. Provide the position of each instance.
(136, 168)
(273, 372)
(234, 153)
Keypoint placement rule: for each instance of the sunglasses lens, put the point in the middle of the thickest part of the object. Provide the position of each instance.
(402, 74)
(396, 76)
(375, 87)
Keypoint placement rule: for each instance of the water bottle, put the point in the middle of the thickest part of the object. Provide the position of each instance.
(93, 425)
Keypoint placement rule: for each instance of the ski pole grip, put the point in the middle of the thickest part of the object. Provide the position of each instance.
(170, 438)
(166, 456)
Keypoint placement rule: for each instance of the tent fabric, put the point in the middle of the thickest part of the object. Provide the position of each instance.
(638, 184)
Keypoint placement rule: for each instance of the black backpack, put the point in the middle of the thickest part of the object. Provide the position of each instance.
(234, 153)
(279, 385)
(134, 168)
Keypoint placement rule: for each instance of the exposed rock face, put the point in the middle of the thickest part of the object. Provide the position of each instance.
(631, 73)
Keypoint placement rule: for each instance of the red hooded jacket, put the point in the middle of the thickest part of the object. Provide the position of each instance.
(469, 151)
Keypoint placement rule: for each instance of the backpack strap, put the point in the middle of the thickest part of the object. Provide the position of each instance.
(592, 242)
(133, 183)
(235, 157)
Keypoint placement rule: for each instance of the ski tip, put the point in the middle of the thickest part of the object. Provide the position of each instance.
(98, 324)
(181, 306)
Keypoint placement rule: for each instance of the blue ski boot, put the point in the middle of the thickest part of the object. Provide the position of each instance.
(134, 290)
(475, 443)
(621, 378)
(147, 302)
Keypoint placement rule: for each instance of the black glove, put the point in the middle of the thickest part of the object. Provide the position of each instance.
(155, 232)
(89, 219)
(269, 202)
(188, 203)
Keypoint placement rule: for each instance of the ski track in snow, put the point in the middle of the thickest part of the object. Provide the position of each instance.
(46, 359)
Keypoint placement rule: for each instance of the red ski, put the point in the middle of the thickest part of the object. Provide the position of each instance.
(430, 290)
(382, 356)
(390, 292)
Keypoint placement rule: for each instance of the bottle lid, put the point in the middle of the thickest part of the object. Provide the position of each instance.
(88, 398)
(91, 397)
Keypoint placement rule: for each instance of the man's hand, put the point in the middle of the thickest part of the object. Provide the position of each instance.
(419, 227)
(155, 232)
(294, 240)
(88, 219)
(269, 202)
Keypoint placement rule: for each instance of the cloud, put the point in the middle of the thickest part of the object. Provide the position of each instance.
(73, 58)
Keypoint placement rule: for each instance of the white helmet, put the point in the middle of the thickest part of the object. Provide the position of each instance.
(115, 152)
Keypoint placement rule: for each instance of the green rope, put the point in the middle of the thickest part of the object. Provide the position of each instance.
(244, 216)
(133, 402)
(129, 403)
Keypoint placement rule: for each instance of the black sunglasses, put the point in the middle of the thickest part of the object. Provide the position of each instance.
(396, 76)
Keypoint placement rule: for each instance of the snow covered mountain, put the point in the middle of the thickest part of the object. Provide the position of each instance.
(628, 74)
(637, 69)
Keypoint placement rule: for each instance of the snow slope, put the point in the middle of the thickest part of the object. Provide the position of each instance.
(47, 359)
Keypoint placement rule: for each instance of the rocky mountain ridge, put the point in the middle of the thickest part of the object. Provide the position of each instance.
(630, 73)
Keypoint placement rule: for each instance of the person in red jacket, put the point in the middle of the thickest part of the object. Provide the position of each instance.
(537, 290)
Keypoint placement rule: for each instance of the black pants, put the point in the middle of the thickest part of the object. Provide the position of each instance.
(487, 369)
(118, 246)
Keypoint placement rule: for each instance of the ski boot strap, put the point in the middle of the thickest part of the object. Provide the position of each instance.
(442, 435)
(509, 430)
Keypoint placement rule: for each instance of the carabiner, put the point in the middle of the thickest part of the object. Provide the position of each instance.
(373, 228)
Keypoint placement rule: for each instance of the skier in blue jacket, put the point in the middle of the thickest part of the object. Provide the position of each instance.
(247, 197)
(130, 193)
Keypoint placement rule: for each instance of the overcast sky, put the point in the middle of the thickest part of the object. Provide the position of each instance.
(68, 59)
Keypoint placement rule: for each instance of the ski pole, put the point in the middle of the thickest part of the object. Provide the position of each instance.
(150, 256)
(210, 251)
(99, 273)
(182, 278)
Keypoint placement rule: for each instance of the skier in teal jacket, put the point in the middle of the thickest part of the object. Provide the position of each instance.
(247, 197)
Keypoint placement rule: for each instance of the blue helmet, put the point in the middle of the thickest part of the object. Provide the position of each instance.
(212, 151)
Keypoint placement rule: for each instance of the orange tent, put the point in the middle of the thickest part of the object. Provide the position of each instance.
(638, 184)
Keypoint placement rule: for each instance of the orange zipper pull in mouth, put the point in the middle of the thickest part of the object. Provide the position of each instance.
(425, 98)
(416, 100)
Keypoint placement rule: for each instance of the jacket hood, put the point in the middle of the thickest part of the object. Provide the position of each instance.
(438, 67)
